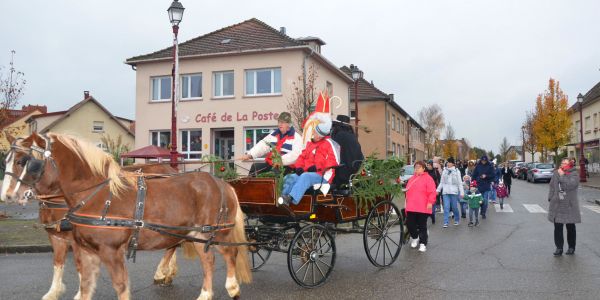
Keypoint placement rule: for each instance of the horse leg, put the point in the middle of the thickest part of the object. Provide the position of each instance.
(77, 259)
(167, 268)
(90, 266)
(114, 260)
(59, 249)
(208, 262)
(231, 284)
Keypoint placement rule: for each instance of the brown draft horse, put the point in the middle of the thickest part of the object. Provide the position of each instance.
(53, 210)
(193, 199)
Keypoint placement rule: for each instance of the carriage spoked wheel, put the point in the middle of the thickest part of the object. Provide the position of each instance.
(311, 256)
(382, 235)
(258, 254)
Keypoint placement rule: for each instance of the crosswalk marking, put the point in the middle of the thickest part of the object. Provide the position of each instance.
(594, 208)
(534, 208)
(507, 208)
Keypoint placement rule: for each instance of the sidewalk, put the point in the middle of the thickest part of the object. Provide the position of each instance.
(19, 232)
(592, 182)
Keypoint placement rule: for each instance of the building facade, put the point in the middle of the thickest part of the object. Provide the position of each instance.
(14, 123)
(385, 129)
(234, 82)
(88, 120)
(590, 115)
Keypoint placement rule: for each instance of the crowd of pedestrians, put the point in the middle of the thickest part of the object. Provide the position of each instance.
(453, 187)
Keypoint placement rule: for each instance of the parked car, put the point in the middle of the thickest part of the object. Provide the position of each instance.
(409, 171)
(515, 168)
(522, 171)
(540, 172)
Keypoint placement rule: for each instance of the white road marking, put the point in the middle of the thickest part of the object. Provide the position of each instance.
(594, 208)
(507, 208)
(534, 209)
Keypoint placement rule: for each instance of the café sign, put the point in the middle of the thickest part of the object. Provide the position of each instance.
(226, 117)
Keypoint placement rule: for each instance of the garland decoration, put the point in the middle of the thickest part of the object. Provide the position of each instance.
(377, 178)
(276, 172)
(221, 169)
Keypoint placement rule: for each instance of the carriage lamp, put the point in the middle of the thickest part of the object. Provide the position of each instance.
(175, 12)
(357, 74)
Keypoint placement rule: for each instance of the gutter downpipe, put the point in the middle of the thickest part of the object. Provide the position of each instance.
(387, 128)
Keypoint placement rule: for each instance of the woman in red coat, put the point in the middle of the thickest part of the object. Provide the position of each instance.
(420, 197)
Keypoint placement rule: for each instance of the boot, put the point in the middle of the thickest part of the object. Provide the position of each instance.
(570, 251)
(558, 252)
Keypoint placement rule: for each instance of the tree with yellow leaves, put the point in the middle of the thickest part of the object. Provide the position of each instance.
(551, 124)
(450, 148)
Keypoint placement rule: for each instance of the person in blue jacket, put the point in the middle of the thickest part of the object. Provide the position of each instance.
(484, 174)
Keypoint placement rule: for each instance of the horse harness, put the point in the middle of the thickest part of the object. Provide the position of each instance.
(37, 167)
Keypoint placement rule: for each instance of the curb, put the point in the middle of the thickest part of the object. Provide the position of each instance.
(597, 202)
(26, 249)
(591, 186)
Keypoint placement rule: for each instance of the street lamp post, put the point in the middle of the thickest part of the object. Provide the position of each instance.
(357, 74)
(175, 15)
(523, 146)
(582, 177)
(408, 132)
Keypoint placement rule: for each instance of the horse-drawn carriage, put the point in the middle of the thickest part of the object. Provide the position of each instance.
(306, 232)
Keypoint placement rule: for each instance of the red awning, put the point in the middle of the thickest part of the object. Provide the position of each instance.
(148, 152)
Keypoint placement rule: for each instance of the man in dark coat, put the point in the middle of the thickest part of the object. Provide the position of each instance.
(351, 155)
(507, 175)
(484, 174)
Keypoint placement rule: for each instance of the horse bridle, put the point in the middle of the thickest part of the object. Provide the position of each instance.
(30, 164)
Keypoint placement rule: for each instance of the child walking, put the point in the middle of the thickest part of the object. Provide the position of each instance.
(475, 200)
(463, 201)
(501, 192)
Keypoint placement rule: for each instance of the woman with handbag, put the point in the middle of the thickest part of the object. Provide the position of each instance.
(420, 197)
(564, 205)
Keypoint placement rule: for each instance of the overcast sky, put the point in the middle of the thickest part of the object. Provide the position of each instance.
(483, 62)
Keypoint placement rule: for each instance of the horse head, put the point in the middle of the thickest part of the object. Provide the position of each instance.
(27, 169)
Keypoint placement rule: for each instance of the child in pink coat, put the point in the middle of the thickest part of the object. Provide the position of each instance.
(501, 193)
(420, 197)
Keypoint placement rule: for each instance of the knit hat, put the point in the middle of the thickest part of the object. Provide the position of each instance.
(484, 157)
(285, 117)
(450, 160)
(323, 129)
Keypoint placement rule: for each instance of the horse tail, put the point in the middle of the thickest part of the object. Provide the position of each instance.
(189, 252)
(242, 264)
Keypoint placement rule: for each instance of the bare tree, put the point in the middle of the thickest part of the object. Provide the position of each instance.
(504, 146)
(304, 96)
(432, 119)
(12, 87)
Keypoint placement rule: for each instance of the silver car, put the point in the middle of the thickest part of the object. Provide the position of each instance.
(540, 172)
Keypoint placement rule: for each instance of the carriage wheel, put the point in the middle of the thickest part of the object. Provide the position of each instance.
(311, 256)
(382, 236)
(258, 254)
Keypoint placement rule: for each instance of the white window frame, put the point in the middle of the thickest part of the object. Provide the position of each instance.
(218, 76)
(101, 123)
(254, 141)
(190, 87)
(168, 142)
(255, 82)
(102, 146)
(159, 88)
(189, 152)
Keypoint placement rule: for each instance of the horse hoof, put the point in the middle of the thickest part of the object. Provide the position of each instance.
(159, 281)
(236, 297)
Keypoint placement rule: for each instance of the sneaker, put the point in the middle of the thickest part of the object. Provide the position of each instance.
(284, 200)
(501, 206)
(483, 217)
(445, 225)
(455, 223)
(476, 222)
(570, 251)
(463, 216)
(414, 242)
(470, 224)
(422, 248)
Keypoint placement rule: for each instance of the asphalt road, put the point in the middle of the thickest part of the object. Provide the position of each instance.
(509, 256)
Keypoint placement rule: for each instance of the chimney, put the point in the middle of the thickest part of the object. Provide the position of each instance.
(282, 30)
(86, 94)
(391, 97)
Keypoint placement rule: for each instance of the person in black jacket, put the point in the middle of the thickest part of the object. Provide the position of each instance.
(351, 155)
(507, 175)
(435, 174)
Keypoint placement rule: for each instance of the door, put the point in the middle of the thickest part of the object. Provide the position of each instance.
(224, 145)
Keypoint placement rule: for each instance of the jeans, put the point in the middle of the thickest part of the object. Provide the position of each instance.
(493, 195)
(450, 202)
(484, 206)
(296, 186)
(559, 240)
(473, 211)
(463, 209)
(417, 225)
(501, 201)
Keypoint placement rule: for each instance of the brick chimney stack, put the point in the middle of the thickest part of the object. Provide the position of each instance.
(86, 94)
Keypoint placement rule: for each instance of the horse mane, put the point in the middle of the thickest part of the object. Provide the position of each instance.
(99, 162)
